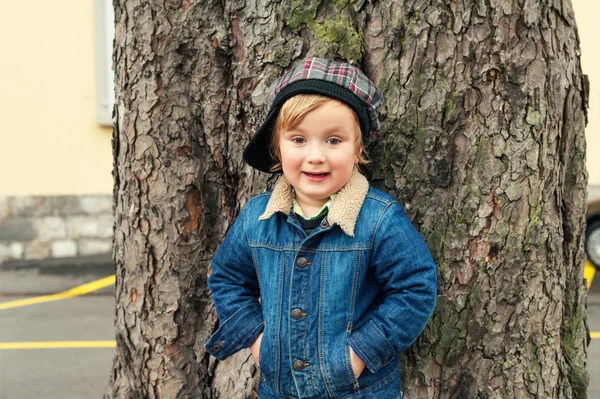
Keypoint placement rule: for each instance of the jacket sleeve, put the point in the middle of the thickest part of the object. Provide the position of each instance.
(235, 292)
(405, 272)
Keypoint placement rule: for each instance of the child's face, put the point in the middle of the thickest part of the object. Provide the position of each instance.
(319, 154)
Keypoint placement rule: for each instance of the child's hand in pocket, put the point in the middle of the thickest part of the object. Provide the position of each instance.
(255, 349)
(357, 364)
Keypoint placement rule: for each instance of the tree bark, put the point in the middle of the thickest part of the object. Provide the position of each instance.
(483, 142)
(486, 146)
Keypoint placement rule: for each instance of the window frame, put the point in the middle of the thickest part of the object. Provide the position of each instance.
(104, 37)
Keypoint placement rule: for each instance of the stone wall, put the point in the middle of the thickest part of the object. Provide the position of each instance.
(45, 227)
(42, 227)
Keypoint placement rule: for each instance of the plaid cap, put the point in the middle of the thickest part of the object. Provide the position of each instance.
(338, 80)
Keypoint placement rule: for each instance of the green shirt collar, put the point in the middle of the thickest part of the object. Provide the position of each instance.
(324, 209)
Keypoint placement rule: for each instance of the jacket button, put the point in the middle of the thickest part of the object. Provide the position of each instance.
(297, 313)
(217, 347)
(299, 365)
(301, 262)
(325, 223)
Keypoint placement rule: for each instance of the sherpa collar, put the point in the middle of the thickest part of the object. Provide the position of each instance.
(344, 210)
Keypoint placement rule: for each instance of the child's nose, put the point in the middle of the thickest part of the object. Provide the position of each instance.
(315, 154)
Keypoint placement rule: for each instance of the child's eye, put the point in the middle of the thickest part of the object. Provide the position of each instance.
(298, 140)
(333, 140)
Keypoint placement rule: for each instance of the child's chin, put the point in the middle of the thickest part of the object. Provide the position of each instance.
(320, 196)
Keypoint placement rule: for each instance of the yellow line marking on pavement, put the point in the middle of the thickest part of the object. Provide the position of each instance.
(588, 274)
(73, 292)
(57, 345)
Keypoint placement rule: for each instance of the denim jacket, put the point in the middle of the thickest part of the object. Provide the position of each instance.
(363, 279)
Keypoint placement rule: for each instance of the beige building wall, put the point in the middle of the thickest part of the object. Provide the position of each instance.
(50, 143)
(586, 15)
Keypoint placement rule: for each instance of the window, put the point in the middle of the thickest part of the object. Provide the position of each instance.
(105, 88)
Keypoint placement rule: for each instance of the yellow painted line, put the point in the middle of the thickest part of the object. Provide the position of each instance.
(73, 292)
(595, 335)
(58, 345)
(588, 274)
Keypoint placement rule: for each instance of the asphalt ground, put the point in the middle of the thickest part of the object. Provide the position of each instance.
(64, 348)
(68, 372)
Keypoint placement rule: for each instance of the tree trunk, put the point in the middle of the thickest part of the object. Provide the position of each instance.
(483, 142)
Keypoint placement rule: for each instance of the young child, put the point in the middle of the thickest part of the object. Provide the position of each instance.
(324, 278)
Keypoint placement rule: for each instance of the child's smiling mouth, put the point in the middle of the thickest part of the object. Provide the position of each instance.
(315, 177)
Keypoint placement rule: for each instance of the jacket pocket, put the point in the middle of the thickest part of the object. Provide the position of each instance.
(353, 379)
(265, 358)
(340, 378)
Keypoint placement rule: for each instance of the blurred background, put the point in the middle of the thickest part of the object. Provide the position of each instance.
(55, 145)
(56, 190)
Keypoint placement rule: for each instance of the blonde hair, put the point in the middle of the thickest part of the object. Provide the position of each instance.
(291, 114)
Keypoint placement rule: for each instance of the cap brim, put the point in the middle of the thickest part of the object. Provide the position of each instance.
(257, 153)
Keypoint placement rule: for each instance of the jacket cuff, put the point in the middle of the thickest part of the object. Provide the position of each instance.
(239, 331)
(371, 345)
